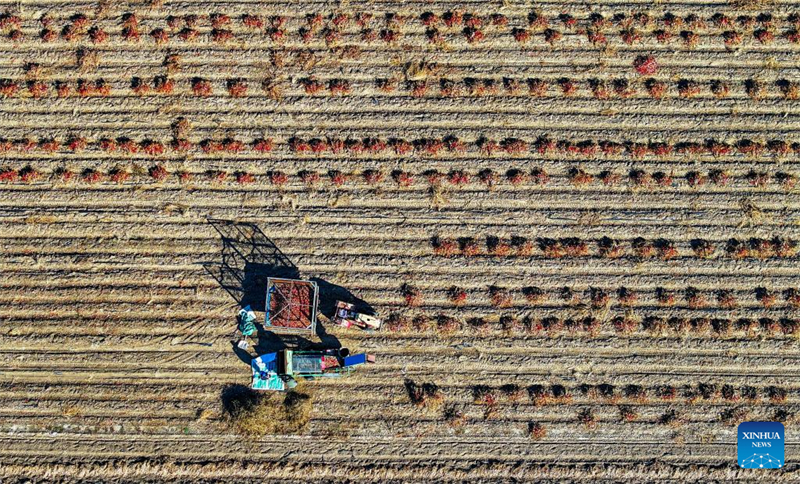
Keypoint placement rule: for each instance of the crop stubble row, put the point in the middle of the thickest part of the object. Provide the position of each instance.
(132, 331)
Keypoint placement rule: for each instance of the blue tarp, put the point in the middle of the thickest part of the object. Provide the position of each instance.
(355, 360)
(265, 373)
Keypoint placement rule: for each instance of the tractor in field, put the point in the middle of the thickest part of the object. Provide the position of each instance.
(291, 307)
(347, 315)
(279, 371)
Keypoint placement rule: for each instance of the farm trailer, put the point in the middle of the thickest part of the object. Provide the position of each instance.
(279, 371)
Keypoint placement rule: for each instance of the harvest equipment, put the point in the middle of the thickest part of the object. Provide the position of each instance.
(291, 305)
(279, 371)
(346, 315)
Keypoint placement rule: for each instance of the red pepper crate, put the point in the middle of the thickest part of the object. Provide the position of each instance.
(291, 305)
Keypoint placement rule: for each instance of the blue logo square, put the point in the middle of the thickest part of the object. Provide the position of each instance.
(760, 445)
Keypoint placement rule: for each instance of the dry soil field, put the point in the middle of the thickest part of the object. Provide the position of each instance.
(579, 222)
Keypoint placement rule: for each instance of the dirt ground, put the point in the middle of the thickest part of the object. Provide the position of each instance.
(577, 221)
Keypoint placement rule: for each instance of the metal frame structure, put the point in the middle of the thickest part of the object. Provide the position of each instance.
(295, 309)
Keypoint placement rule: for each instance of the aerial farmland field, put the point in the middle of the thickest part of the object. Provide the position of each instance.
(578, 222)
